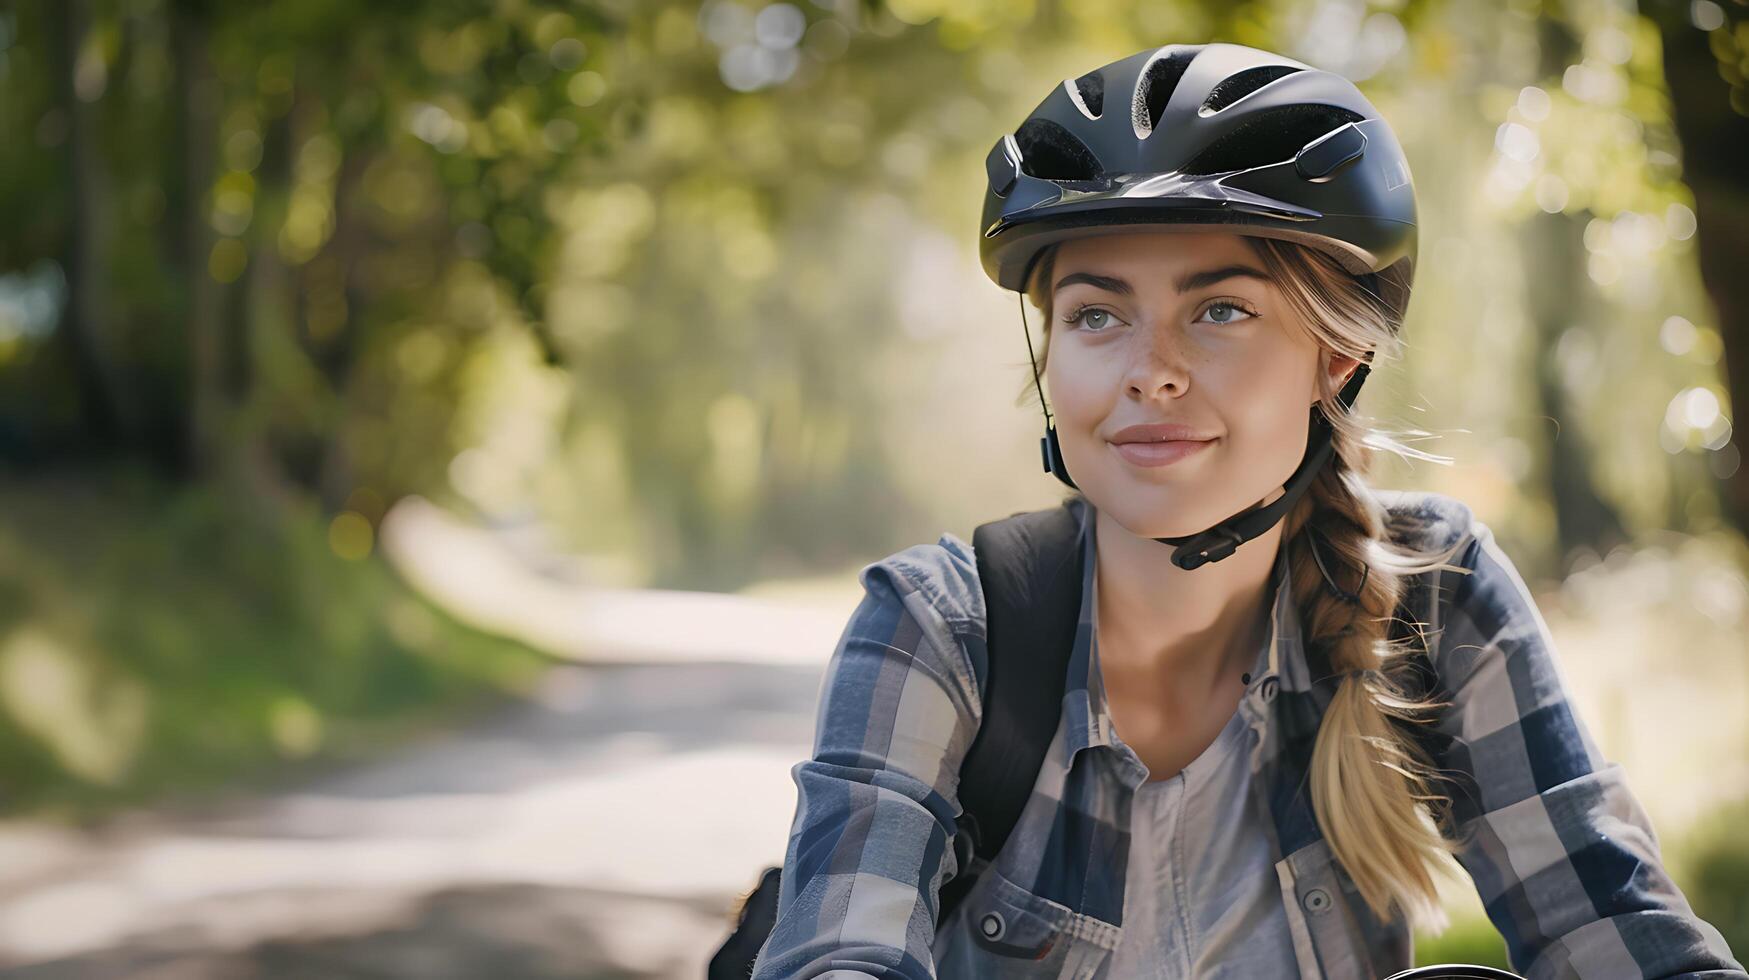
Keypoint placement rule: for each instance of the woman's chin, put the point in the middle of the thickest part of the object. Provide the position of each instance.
(1159, 517)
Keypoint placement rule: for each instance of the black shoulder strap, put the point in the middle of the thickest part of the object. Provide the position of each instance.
(1030, 565)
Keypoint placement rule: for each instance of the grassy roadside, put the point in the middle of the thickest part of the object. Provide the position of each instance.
(158, 642)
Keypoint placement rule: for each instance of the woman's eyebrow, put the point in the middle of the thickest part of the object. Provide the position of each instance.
(1184, 284)
(1110, 284)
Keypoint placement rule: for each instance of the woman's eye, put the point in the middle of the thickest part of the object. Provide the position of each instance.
(1084, 318)
(1226, 313)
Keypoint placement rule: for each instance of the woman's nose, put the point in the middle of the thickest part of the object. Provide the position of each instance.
(1157, 361)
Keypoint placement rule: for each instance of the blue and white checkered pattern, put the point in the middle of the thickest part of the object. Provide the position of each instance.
(1562, 855)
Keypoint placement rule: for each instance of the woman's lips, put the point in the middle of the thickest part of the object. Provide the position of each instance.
(1159, 453)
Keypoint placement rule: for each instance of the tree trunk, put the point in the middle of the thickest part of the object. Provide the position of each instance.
(102, 386)
(1554, 255)
(269, 316)
(1712, 121)
(197, 104)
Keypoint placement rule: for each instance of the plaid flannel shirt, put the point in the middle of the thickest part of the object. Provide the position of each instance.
(1562, 855)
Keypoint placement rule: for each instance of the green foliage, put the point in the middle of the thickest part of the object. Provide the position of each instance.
(322, 232)
(155, 639)
(1471, 940)
(1711, 864)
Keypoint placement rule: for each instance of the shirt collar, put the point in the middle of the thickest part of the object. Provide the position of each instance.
(1281, 661)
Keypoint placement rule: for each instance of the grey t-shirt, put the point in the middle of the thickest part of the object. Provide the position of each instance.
(1201, 899)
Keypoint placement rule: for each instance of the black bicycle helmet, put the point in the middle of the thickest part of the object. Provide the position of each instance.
(1217, 137)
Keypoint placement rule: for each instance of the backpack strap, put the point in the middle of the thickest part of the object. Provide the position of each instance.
(1030, 566)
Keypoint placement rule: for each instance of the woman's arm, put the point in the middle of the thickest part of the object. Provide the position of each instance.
(870, 844)
(1562, 854)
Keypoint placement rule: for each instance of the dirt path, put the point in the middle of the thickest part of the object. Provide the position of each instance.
(600, 831)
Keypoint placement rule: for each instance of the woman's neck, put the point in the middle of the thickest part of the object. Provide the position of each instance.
(1196, 625)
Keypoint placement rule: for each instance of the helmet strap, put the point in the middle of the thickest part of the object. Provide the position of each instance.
(1048, 446)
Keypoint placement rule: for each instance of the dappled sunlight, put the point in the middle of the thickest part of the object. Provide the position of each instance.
(93, 720)
(473, 574)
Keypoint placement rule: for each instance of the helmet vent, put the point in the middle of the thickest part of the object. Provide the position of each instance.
(1050, 152)
(1088, 91)
(1240, 84)
(1154, 88)
(1272, 136)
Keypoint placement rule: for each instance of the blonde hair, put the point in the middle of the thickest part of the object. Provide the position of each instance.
(1373, 786)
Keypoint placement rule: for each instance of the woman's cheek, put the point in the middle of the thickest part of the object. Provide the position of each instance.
(1276, 440)
(1080, 387)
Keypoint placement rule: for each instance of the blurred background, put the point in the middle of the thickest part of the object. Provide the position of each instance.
(438, 441)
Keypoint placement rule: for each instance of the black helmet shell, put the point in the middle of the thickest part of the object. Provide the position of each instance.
(1216, 137)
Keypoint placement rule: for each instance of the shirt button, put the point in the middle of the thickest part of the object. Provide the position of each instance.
(1266, 689)
(1316, 900)
(992, 925)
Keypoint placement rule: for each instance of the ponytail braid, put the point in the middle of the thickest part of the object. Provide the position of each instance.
(1374, 790)
(1371, 782)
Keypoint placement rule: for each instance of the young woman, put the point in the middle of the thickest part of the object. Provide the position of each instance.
(1294, 699)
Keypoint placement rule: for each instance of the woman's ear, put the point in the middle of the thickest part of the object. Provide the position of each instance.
(1342, 369)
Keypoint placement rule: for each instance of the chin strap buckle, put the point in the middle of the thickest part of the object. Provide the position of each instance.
(1211, 545)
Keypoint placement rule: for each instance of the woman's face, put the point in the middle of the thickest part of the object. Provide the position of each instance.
(1179, 328)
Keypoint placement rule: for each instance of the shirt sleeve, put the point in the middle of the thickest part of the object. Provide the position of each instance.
(870, 844)
(1562, 854)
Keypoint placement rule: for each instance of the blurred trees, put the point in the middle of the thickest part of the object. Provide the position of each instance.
(1554, 300)
(1705, 49)
(633, 267)
(282, 224)
(658, 273)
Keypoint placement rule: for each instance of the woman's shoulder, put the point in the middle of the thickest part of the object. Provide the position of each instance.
(1427, 520)
(943, 574)
(1477, 594)
(1459, 571)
